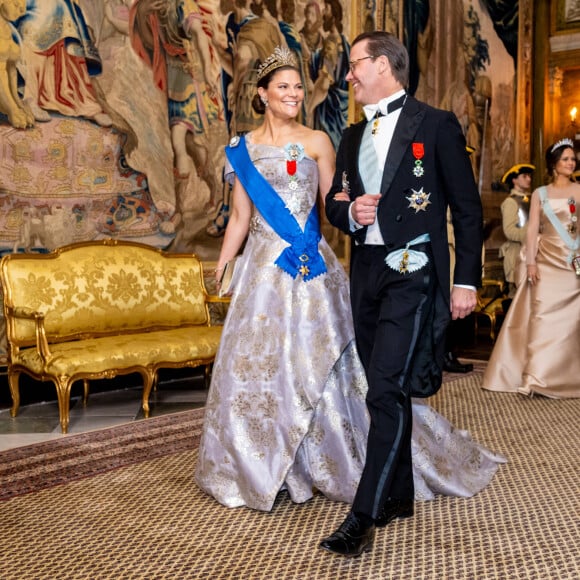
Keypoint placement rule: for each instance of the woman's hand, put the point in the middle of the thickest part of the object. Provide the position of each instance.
(341, 196)
(219, 272)
(533, 275)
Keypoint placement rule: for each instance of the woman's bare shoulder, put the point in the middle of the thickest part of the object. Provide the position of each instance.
(572, 189)
(316, 143)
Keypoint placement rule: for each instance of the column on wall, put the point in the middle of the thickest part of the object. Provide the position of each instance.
(552, 105)
(523, 134)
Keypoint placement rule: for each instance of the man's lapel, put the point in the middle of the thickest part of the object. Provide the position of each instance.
(407, 125)
(355, 143)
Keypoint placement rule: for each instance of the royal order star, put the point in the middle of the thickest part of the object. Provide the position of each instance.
(419, 200)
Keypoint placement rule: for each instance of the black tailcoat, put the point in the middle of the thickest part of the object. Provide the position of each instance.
(448, 177)
(403, 353)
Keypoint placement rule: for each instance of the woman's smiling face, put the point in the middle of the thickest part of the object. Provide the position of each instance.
(285, 93)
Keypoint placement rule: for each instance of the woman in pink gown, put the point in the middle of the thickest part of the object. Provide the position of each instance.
(538, 349)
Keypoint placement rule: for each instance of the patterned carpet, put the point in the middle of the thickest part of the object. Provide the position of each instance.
(121, 503)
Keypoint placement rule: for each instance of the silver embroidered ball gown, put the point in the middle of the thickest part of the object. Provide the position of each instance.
(286, 408)
(538, 347)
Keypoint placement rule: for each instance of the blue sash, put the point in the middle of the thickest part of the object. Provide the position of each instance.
(302, 256)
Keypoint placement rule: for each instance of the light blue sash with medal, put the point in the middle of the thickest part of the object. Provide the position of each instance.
(302, 256)
(572, 244)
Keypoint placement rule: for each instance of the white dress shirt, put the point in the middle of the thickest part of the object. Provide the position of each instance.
(385, 129)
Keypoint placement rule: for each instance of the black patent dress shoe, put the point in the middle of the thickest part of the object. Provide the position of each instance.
(394, 508)
(452, 365)
(351, 539)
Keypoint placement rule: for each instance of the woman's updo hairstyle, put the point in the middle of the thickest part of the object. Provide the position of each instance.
(281, 59)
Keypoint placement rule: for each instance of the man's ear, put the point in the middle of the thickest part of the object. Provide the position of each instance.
(384, 64)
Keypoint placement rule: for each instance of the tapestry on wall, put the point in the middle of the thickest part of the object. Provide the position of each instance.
(114, 113)
(165, 88)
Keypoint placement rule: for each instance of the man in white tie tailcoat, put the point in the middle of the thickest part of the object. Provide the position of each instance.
(401, 167)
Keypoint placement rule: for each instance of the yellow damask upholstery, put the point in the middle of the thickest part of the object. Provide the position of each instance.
(99, 309)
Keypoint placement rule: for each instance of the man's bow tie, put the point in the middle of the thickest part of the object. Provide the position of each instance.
(382, 108)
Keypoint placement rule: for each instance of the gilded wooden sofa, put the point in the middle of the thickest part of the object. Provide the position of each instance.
(99, 309)
(490, 299)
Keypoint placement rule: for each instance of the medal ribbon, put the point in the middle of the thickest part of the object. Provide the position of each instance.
(418, 150)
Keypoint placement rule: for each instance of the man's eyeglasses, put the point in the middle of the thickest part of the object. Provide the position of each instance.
(352, 64)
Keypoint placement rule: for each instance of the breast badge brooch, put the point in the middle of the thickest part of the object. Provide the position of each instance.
(418, 153)
(294, 152)
(345, 183)
(418, 200)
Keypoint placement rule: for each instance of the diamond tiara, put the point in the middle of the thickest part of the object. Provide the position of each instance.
(281, 56)
(566, 141)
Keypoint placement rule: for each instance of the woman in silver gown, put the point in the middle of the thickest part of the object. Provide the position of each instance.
(286, 408)
(538, 348)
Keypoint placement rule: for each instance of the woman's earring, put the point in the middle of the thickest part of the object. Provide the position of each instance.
(264, 100)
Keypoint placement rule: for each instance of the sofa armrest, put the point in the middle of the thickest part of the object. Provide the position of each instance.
(38, 317)
(24, 312)
(212, 298)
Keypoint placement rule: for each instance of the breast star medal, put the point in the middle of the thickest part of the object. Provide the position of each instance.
(293, 205)
(418, 153)
(419, 200)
